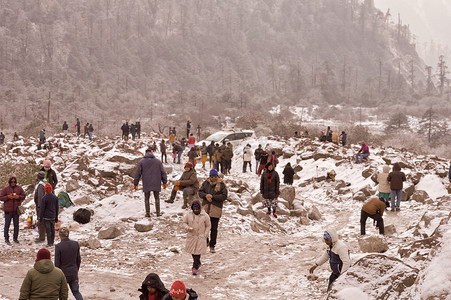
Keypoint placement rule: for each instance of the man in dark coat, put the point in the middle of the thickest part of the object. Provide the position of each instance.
(396, 178)
(49, 173)
(68, 259)
(269, 188)
(258, 154)
(38, 194)
(12, 195)
(213, 193)
(211, 151)
(163, 151)
(153, 175)
(288, 173)
(49, 213)
(77, 126)
(154, 286)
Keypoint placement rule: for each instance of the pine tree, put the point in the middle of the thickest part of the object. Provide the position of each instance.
(397, 121)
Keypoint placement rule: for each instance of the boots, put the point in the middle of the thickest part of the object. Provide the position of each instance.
(185, 202)
(172, 198)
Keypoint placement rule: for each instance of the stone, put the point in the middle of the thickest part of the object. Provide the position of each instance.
(304, 221)
(297, 168)
(299, 212)
(367, 172)
(408, 190)
(340, 184)
(372, 243)
(314, 214)
(387, 160)
(366, 190)
(320, 155)
(109, 233)
(359, 196)
(390, 229)
(256, 198)
(93, 243)
(244, 211)
(261, 215)
(415, 178)
(287, 154)
(168, 169)
(143, 227)
(288, 193)
(419, 196)
(282, 211)
(259, 227)
(84, 200)
(72, 185)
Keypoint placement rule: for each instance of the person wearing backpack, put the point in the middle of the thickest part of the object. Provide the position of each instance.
(38, 194)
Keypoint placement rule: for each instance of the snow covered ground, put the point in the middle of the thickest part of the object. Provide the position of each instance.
(258, 257)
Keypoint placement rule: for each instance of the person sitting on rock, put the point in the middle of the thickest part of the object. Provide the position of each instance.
(337, 254)
(364, 152)
(187, 183)
(374, 209)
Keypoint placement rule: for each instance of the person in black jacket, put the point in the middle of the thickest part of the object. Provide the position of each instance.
(211, 152)
(154, 286)
(49, 173)
(49, 213)
(68, 259)
(38, 194)
(258, 154)
(288, 173)
(269, 188)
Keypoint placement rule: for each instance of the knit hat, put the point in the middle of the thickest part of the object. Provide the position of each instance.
(43, 254)
(178, 289)
(189, 165)
(327, 236)
(41, 175)
(48, 188)
(214, 172)
(195, 204)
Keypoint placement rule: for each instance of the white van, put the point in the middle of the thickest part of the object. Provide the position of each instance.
(231, 136)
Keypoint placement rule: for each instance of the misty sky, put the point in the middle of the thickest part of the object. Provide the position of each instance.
(428, 19)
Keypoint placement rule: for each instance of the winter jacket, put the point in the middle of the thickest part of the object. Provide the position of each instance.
(228, 154)
(65, 126)
(10, 205)
(335, 137)
(247, 154)
(384, 185)
(219, 193)
(203, 150)
(273, 160)
(288, 173)
(374, 206)
(49, 207)
(337, 254)
(50, 176)
(258, 153)
(44, 281)
(154, 281)
(189, 179)
(211, 149)
(192, 154)
(191, 140)
(162, 147)
(39, 193)
(90, 129)
(152, 172)
(42, 136)
(264, 159)
(270, 190)
(177, 148)
(67, 258)
(343, 138)
(365, 149)
(218, 155)
(196, 240)
(396, 178)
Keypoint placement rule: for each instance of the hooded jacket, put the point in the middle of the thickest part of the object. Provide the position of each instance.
(396, 178)
(10, 205)
(196, 240)
(44, 281)
(219, 193)
(189, 179)
(337, 254)
(270, 190)
(154, 281)
(384, 185)
(374, 206)
(152, 172)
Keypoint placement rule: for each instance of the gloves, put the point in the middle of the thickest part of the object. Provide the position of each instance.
(135, 187)
(176, 188)
(165, 185)
(178, 183)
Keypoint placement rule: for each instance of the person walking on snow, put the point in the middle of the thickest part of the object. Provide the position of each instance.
(153, 175)
(187, 183)
(396, 178)
(197, 224)
(198, 132)
(258, 154)
(38, 194)
(188, 128)
(269, 188)
(288, 174)
(384, 185)
(211, 152)
(163, 151)
(337, 254)
(203, 154)
(152, 288)
(374, 209)
(213, 193)
(247, 158)
(263, 162)
(49, 213)
(364, 152)
(12, 195)
(78, 126)
(65, 127)
(90, 131)
(343, 137)
(68, 259)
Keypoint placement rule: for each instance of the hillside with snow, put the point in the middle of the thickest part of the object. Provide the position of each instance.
(258, 256)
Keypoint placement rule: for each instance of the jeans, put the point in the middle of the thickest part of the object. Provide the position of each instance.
(163, 154)
(50, 230)
(90, 135)
(214, 231)
(196, 261)
(156, 195)
(179, 155)
(245, 163)
(377, 217)
(15, 218)
(396, 194)
(257, 163)
(361, 155)
(74, 289)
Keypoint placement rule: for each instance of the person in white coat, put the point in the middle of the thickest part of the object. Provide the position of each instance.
(384, 185)
(197, 224)
(247, 158)
(337, 254)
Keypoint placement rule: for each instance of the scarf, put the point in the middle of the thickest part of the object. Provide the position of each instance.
(269, 177)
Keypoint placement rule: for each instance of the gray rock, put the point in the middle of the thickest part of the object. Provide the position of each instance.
(408, 190)
(372, 243)
(367, 172)
(390, 229)
(244, 211)
(84, 200)
(261, 215)
(259, 227)
(109, 233)
(93, 243)
(288, 193)
(419, 196)
(297, 168)
(257, 198)
(304, 220)
(314, 214)
(143, 227)
(359, 196)
(72, 185)
(299, 213)
(168, 169)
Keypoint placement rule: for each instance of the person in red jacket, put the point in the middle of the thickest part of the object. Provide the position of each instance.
(12, 195)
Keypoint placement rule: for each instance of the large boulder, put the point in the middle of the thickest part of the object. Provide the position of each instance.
(143, 227)
(408, 190)
(314, 214)
(72, 185)
(256, 198)
(109, 233)
(359, 196)
(288, 193)
(368, 172)
(419, 196)
(380, 276)
(372, 243)
(93, 243)
(83, 200)
(244, 211)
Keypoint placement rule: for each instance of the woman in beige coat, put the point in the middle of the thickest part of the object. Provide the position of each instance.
(197, 224)
(384, 185)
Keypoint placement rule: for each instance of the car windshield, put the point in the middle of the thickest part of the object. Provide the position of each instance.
(216, 137)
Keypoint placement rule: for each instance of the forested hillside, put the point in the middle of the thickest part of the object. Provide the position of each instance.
(121, 59)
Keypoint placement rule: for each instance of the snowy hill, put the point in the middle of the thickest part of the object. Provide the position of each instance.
(258, 256)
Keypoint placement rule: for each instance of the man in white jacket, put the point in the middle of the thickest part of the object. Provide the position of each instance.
(337, 254)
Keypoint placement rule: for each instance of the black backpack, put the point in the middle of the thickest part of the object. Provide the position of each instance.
(192, 294)
(82, 215)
